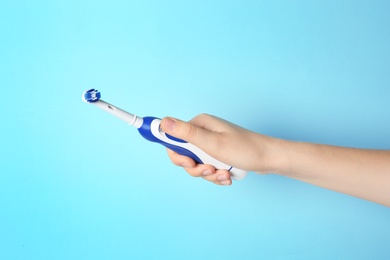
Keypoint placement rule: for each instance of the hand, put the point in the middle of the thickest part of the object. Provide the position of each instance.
(224, 141)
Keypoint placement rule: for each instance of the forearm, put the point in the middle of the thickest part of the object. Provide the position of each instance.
(357, 172)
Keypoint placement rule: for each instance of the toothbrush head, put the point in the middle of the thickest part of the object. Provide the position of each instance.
(92, 95)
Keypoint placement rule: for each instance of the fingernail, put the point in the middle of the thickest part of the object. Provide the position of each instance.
(169, 124)
(206, 172)
(225, 183)
(222, 177)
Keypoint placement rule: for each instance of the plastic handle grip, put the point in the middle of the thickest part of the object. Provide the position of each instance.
(150, 130)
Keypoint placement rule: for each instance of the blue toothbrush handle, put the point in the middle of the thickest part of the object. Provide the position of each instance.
(151, 131)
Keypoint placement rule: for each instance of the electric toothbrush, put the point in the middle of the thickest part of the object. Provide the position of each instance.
(149, 128)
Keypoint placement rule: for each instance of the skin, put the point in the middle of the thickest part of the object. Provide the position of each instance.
(358, 172)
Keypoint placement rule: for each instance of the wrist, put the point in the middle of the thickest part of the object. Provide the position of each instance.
(273, 155)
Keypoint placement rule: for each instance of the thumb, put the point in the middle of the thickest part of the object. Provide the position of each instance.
(186, 131)
(179, 129)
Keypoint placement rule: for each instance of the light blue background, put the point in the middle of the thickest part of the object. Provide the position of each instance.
(77, 183)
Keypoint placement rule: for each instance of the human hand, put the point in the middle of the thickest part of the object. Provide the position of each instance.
(224, 141)
(358, 172)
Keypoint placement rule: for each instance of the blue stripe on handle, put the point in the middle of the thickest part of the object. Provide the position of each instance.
(175, 139)
(146, 132)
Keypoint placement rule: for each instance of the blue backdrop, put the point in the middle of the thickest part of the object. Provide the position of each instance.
(77, 183)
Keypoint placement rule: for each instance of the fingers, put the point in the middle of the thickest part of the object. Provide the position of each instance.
(220, 177)
(181, 160)
(207, 172)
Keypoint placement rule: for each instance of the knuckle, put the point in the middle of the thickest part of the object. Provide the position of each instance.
(203, 116)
